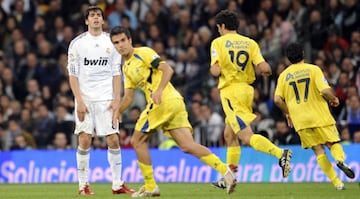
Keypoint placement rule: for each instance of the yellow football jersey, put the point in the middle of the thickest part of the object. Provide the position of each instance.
(140, 71)
(300, 85)
(236, 55)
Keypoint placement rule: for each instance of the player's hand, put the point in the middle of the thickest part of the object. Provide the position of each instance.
(156, 97)
(265, 69)
(289, 121)
(266, 73)
(81, 110)
(335, 102)
(117, 118)
(114, 106)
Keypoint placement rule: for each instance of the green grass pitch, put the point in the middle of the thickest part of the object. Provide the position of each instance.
(188, 190)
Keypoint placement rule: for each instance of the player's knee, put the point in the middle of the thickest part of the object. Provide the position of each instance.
(245, 141)
(232, 141)
(113, 141)
(84, 140)
(134, 142)
(187, 148)
(137, 143)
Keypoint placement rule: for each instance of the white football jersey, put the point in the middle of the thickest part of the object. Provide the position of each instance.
(94, 61)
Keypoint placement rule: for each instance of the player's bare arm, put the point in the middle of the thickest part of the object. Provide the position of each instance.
(125, 102)
(81, 108)
(167, 73)
(215, 70)
(282, 105)
(115, 103)
(328, 94)
(265, 69)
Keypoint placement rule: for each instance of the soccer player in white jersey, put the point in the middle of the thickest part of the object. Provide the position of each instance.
(94, 75)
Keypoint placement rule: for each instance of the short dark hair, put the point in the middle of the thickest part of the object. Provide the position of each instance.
(295, 52)
(229, 18)
(119, 30)
(93, 8)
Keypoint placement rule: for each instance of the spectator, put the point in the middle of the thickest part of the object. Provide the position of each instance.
(348, 66)
(262, 124)
(337, 55)
(31, 69)
(161, 15)
(124, 138)
(13, 130)
(192, 71)
(120, 9)
(64, 121)
(316, 31)
(11, 26)
(195, 120)
(205, 38)
(351, 18)
(283, 134)
(33, 89)
(353, 114)
(354, 53)
(2, 137)
(26, 121)
(3, 17)
(15, 107)
(334, 40)
(184, 29)
(356, 138)
(262, 21)
(98, 143)
(334, 8)
(44, 126)
(55, 8)
(47, 96)
(270, 47)
(213, 126)
(59, 142)
(215, 101)
(334, 73)
(140, 8)
(154, 35)
(66, 35)
(134, 114)
(19, 55)
(345, 135)
(20, 143)
(25, 18)
(340, 91)
(296, 14)
(5, 106)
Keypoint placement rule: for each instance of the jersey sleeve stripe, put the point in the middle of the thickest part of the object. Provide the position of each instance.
(155, 63)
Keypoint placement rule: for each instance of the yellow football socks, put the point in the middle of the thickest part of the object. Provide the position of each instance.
(147, 172)
(233, 155)
(328, 169)
(260, 143)
(337, 152)
(213, 161)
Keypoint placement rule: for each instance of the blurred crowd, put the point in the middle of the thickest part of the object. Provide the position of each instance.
(36, 103)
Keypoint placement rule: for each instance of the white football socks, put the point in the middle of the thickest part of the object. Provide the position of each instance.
(114, 159)
(82, 159)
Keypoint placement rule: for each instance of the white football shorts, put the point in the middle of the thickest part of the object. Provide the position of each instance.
(98, 120)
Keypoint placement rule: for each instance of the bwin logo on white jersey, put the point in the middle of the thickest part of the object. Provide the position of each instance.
(103, 61)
